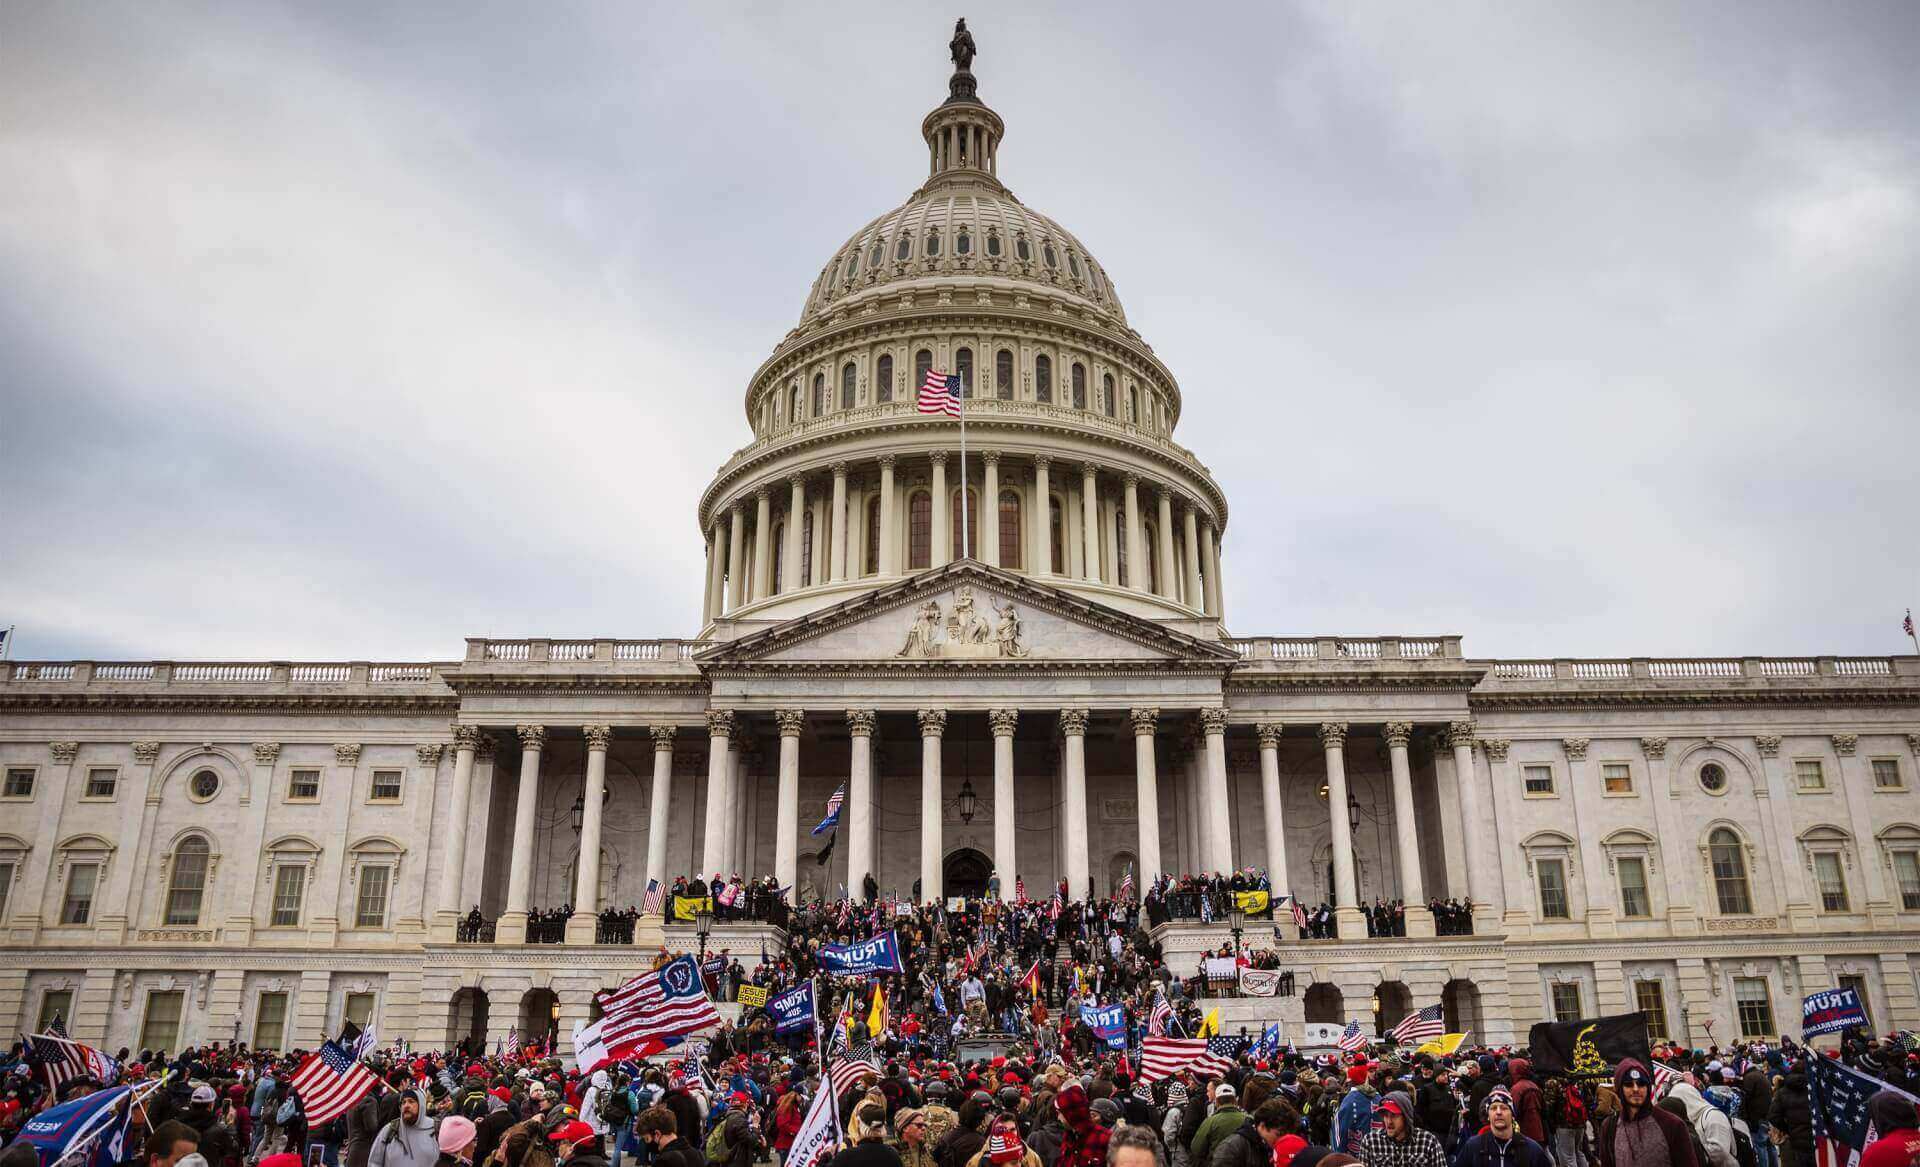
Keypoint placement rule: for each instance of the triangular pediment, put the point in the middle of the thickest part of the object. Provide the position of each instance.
(967, 613)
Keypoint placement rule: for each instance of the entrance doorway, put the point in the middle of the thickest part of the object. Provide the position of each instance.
(965, 873)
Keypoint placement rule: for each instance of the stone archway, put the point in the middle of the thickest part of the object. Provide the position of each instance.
(1324, 1004)
(539, 1017)
(1460, 1006)
(1391, 1002)
(467, 1020)
(965, 873)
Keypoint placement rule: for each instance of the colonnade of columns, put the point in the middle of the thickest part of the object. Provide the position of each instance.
(1108, 531)
(721, 843)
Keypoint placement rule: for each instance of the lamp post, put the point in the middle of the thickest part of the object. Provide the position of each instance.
(703, 927)
(968, 803)
(1236, 920)
(1375, 1005)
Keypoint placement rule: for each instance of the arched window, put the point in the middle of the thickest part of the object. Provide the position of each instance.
(1009, 530)
(1106, 393)
(993, 243)
(933, 244)
(1073, 264)
(1133, 404)
(1729, 858)
(187, 882)
(779, 553)
(962, 243)
(883, 379)
(879, 253)
(1079, 385)
(819, 394)
(920, 531)
(922, 361)
(1057, 536)
(853, 263)
(806, 547)
(1121, 578)
(963, 365)
(1046, 250)
(1149, 536)
(1003, 374)
(971, 543)
(848, 379)
(906, 247)
(793, 403)
(873, 536)
(1043, 378)
(1021, 250)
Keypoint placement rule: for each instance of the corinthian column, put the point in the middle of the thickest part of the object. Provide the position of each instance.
(713, 850)
(657, 813)
(583, 926)
(512, 927)
(790, 580)
(736, 558)
(786, 845)
(1138, 577)
(859, 800)
(1270, 802)
(1195, 599)
(1042, 520)
(1213, 722)
(837, 550)
(1473, 820)
(1146, 780)
(1073, 724)
(889, 549)
(1346, 901)
(762, 544)
(1004, 824)
(1090, 519)
(1169, 567)
(942, 511)
(466, 742)
(1412, 887)
(933, 724)
(987, 538)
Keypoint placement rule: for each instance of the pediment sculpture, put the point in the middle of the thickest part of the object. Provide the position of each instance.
(964, 633)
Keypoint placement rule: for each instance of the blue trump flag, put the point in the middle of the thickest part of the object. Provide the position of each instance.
(1830, 1011)
(792, 1009)
(878, 955)
(99, 1118)
(1108, 1022)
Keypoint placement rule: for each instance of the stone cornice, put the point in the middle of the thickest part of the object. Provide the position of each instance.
(1696, 696)
(442, 703)
(1337, 679)
(558, 678)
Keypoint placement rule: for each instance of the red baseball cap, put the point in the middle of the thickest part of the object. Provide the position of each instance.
(574, 1132)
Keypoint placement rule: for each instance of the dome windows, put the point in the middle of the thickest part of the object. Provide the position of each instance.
(905, 249)
(1021, 250)
(1106, 393)
(933, 244)
(1079, 385)
(1046, 252)
(1043, 379)
(963, 365)
(883, 379)
(853, 264)
(1073, 264)
(919, 531)
(819, 394)
(993, 244)
(849, 380)
(793, 403)
(879, 253)
(962, 243)
(922, 361)
(1002, 369)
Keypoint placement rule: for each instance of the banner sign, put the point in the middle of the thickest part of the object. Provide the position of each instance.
(1222, 968)
(1585, 1048)
(1318, 1034)
(1259, 982)
(793, 1009)
(753, 996)
(1109, 1022)
(878, 955)
(1831, 1011)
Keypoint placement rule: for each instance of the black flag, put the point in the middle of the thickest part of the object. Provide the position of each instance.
(1588, 1047)
(826, 852)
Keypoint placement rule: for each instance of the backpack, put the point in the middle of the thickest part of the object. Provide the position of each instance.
(615, 1108)
(716, 1148)
(286, 1112)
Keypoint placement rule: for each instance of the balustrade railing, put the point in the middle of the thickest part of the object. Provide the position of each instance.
(614, 927)
(547, 928)
(320, 674)
(474, 929)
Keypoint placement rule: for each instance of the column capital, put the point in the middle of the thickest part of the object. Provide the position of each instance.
(990, 457)
(145, 752)
(1398, 734)
(429, 753)
(1576, 747)
(347, 754)
(1213, 719)
(1003, 721)
(266, 753)
(1041, 461)
(466, 737)
(63, 751)
(738, 509)
(933, 722)
(1130, 480)
(532, 737)
(763, 493)
(1333, 734)
(1462, 733)
(886, 461)
(797, 480)
(663, 736)
(1089, 469)
(719, 722)
(599, 737)
(937, 457)
(1496, 747)
(790, 721)
(839, 469)
(1845, 743)
(1164, 494)
(860, 722)
(487, 748)
(1769, 745)
(1146, 721)
(1655, 747)
(1073, 722)
(1269, 732)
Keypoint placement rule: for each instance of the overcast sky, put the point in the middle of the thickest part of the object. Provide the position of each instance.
(339, 330)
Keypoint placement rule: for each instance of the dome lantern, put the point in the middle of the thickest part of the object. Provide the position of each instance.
(962, 134)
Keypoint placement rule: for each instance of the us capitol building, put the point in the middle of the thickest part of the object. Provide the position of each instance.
(261, 850)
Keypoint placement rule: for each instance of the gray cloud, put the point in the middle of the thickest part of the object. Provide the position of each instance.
(350, 330)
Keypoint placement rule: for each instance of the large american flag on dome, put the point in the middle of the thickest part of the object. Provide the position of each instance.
(940, 393)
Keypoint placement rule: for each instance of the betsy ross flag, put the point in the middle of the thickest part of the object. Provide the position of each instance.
(330, 1082)
(65, 1059)
(650, 903)
(640, 1017)
(940, 393)
(1837, 1095)
(1419, 1025)
(1163, 1057)
(832, 817)
(1352, 1039)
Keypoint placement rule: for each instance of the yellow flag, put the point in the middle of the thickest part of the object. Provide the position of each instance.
(877, 1016)
(1442, 1046)
(1210, 1025)
(1252, 902)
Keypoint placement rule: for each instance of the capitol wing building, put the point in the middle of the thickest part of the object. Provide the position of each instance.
(1019, 668)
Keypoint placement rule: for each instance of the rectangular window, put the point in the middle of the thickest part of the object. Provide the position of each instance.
(1650, 998)
(1859, 986)
(101, 782)
(289, 889)
(303, 784)
(56, 1003)
(1753, 1006)
(1634, 903)
(19, 782)
(6, 887)
(1906, 871)
(386, 786)
(370, 907)
(1616, 777)
(360, 1009)
(1808, 775)
(160, 1031)
(1537, 779)
(1832, 881)
(1886, 774)
(1553, 888)
(1566, 1000)
(270, 1021)
(82, 879)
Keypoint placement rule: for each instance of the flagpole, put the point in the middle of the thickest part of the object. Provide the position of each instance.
(963, 468)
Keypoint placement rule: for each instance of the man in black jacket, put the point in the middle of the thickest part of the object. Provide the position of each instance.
(1434, 1106)
(660, 1131)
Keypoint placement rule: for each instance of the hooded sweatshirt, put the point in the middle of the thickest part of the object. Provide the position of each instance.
(1650, 1137)
(1527, 1111)
(1899, 1141)
(1709, 1122)
(404, 1144)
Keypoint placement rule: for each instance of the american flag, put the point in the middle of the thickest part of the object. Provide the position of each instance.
(1838, 1096)
(640, 1015)
(330, 1082)
(65, 1059)
(853, 1067)
(831, 819)
(1420, 1025)
(940, 393)
(55, 1027)
(1160, 1018)
(693, 1068)
(1663, 1077)
(1299, 913)
(650, 903)
(1163, 1057)
(1352, 1039)
(1125, 891)
(513, 1041)
(1907, 624)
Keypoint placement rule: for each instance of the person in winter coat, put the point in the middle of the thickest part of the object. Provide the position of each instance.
(1177, 1153)
(1642, 1134)
(964, 1141)
(1251, 1143)
(379, 1107)
(660, 1130)
(869, 1133)
(1226, 1118)
(598, 1087)
(407, 1141)
(1397, 1142)
(1709, 1123)
(1528, 1110)
(1791, 1113)
(1499, 1143)
(1003, 1147)
(1899, 1142)
(456, 1136)
(1435, 1107)
(1354, 1118)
